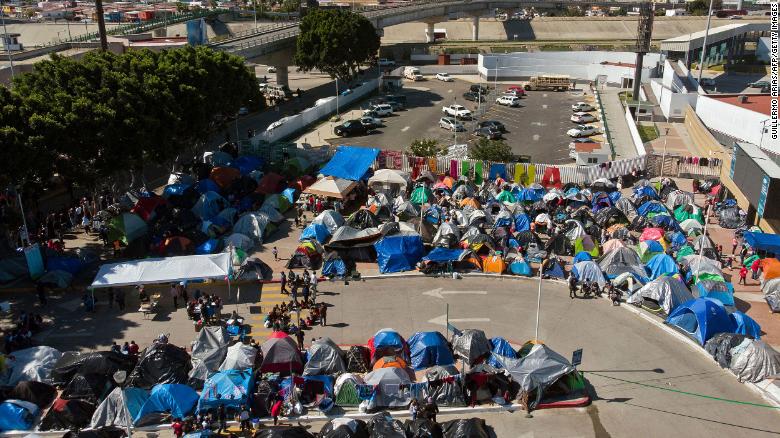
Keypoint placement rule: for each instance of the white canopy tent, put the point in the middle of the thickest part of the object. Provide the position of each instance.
(163, 270)
(331, 187)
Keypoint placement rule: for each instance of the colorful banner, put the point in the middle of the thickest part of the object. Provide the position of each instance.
(454, 169)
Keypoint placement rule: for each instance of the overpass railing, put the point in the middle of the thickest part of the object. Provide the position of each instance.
(262, 29)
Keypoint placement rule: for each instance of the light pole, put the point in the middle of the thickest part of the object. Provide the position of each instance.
(763, 128)
(663, 157)
(704, 43)
(337, 99)
(254, 7)
(538, 303)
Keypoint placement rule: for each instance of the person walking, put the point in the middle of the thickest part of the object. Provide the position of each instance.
(275, 252)
(743, 276)
(572, 286)
(323, 314)
(294, 290)
(754, 268)
(305, 292)
(413, 409)
(221, 419)
(276, 408)
(734, 244)
(175, 296)
(283, 283)
(120, 299)
(178, 428)
(314, 281)
(299, 337)
(431, 409)
(243, 417)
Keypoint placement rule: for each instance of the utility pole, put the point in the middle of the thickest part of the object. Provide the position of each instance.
(101, 25)
(6, 42)
(704, 43)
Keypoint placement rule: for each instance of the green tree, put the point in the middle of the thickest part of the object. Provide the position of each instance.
(290, 6)
(702, 7)
(491, 150)
(336, 42)
(425, 147)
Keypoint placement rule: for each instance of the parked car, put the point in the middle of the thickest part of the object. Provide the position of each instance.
(451, 124)
(383, 109)
(271, 70)
(492, 123)
(515, 90)
(582, 131)
(488, 132)
(583, 117)
(445, 77)
(371, 122)
(573, 144)
(581, 106)
(457, 111)
(512, 101)
(243, 111)
(384, 62)
(476, 88)
(351, 127)
(758, 84)
(474, 97)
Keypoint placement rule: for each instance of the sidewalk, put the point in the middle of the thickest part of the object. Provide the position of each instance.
(616, 120)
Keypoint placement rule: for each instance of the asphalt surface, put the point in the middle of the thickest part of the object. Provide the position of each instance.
(735, 82)
(537, 128)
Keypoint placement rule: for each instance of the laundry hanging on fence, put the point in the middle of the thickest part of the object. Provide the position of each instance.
(454, 169)
(478, 172)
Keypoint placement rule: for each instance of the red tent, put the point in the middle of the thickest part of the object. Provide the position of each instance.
(145, 206)
(652, 234)
(224, 176)
(269, 183)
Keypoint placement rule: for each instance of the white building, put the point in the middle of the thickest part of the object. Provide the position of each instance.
(675, 90)
(744, 118)
(676, 12)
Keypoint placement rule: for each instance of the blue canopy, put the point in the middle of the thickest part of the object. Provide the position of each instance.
(175, 398)
(315, 231)
(400, 252)
(209, 205)
(229, 388)
(519, 267)
(17, 415)
(501, 347)
(208, 247)
(429, 349)
(62, 263)
(702, 318)
(350, 162)
(527, 195)
(289, 193)
(651, 207)
(645, 190)
(388, 339)
(661, 264)
(522, 222)
(497, 169)
(174, 189)
(443, 255)
(718, 290)
(582, 256)
(763, 241)
(247, 163)
(745, 325)
(334, 267)
(206, 185)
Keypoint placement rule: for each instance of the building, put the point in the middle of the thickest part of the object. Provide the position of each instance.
(675, 90)
(11, 42)
(758, 177)
(739, 117)
(723, 43)
(676, 12)
(588, 154)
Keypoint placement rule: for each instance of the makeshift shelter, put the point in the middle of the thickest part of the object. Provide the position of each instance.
(400, 252)
(721, 345)
(34, 363)
(763, 242)
(745, 325)
(344, 428)
(730, 217)
(239, 357)
(718, 290)
(324, 358)
(447, 236)
(331, 219)
(120, 408)
(661, 264)
(701, 318)
(67, 414)
(494, 264)
(444, 386)
(330, 187)
(252, 225)
(317, 232)
(103, 363)
(699, 267)
(621, 260)
(500, 347)
(429, 349)
(472, 345)
(281, 355)
(363, 219)
(39, 393)
(756, 362)
(391, 393)
(335, 266)
(421, 195)
(126, 228)
(552, 269)
(662, 294)
(587, 272)
(484, 382)
(387, 342)
(178, 400)
(350, 162)
(209, 205)
(160, 363)
(230, 388)
(649, 248)
(240, 241)
(270, 183)
(346, 390)
(17, 415)
(390, 180)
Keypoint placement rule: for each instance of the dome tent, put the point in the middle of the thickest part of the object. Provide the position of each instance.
(664, 293)
(429, 349)
(701, 319)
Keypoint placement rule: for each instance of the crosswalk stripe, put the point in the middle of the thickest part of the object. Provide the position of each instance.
(274, 295)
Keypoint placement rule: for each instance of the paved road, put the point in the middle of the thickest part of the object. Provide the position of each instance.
(616, 121)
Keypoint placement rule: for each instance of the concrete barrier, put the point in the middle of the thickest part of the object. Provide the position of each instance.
(639, 145)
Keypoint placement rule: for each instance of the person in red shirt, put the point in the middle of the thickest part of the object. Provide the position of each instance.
(132, 349)
(754, 267)
(178, 428)
(743, 276)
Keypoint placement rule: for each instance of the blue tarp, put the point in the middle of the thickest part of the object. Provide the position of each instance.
(398, 253)
(350, 162)
(614, 196)
(315, 231)
(175, 398)
(601, 200)
(433, 214)
(522, 222)
(209, 205)
(68, 264)
(527, 195)
(247, 163)
(501, 347)
(335, 267)
(15, 416)
(229, 388)
(327, 381)
(135, 399)
(645, 191)
(702, 318)
(745, 325)
(497, 169)
(520, 268)
(677, 240)
(661, 264)
(582, 256)
(289, 193)
(554, 270)
(443, 255)
(429, 349)
(763, 241)
(717, 290)
(208, 247)
(666, 222)
(206, 185)
(651, 207)
(388, 339)
(174, 189)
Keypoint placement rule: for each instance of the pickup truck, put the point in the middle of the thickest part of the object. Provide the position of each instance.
(457, 111)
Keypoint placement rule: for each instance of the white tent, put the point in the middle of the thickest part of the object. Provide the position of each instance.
(331, 187)
(394, 180)
(163, 270)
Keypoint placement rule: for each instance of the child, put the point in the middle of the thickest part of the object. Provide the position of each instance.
(413, 409)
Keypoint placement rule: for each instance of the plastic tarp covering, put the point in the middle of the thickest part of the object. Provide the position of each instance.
(539, 369)
(627, 208)
(400, 252)
(347, 237)
(280, 354)
(389, 394)
(448, 235)
(500, 347)
(177, 399)
(163, 270)
(67, 414)
(284, 432)
(227, 388)
(350, 162)
(471, 345)
(651, 207)
(429, 349)
(17, 415)
(678, 197)
(344, 428)
(661, 264)
(239, 357)
(668, 292)
(39, 393)
(718, 290)
(730, 218)
(465, 428)
(745, 325)
(756, 362)
(331, 219)
(252, 225)
(114, 409)
(209, 351)
(763, 241)
(35, 363)
(700, 265)
(315, 231)
(589, 271)
(103, 363)
(325, 357)
(720, 345)
(702, 318)
(622, 260)
(209, 205)
(444, 255)
(160, 363)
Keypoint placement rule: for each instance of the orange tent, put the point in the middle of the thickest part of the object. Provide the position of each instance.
(494, 265)
(224, 176)
(448, 181)
(771, 268)
(390, 362)
(469, 202)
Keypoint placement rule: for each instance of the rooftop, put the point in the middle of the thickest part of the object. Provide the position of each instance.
(755, 102)
(764, 161)
(695, 40)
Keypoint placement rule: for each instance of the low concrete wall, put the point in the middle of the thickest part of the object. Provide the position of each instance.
(639, 145)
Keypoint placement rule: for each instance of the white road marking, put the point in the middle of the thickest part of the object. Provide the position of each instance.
(449, 91)
(535, 137)
(404, 129)
(544, 94)
(442, 320)
(538, 124)
(439, 293)
(544, 106)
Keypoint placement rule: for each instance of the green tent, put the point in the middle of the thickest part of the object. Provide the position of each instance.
(506, 196)
(126, 228)
(706, 276)
(681, 214)
(421, 195)
(749, 260)
(587, 246)
(296, 166)
(685, 251)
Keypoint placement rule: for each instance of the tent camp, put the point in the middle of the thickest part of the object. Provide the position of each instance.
(281, 355)
(621, 260)
(120, 408)
(661, 264)
(718, 290)
(34, 363)
(662, 294)
(176, 399)
(226, 388)
(387, 342)
(756, 362)
(331, 187)
(163, 270)
(160, 363)
(324, 357)
(701, 319)
(399, 252)
(472, 345)
(17, 415)
(588, 271)
(350, 162)
(208, 351)
(429, 349)
(392, 390)
(239, 357)
(331, 219)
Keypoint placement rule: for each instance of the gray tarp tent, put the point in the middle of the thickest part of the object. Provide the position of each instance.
(389, 394)
(668, 292)
(539, 369)
(628, 209)
(589, 271)
(209, 351)
(677, 198)
(35, 363)
(239, 357)
(331, 219)
(471, 345)
(622, 260)
(119, 408)
(325, 357)
(443, 392)
(756, 362)
(699, 264)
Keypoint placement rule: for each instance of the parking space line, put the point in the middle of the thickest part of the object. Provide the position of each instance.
(405, 128)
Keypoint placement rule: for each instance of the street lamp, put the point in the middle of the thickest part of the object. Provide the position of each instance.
(337, 99)
(704, 43)
(663, 157)
(763, 128)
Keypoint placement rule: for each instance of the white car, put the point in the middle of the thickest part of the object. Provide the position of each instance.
(507, 100)
(450, 124)
(444, 77)
(271, 69)
(581, 106)
(582, 117)
(457, 111)
(582, 131)
(382, 109)
(372, 122)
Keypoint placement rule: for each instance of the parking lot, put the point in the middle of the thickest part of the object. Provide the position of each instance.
(537, 128)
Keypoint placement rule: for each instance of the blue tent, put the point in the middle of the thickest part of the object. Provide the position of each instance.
(501, 347)
(677, 239)
(175, 398)
(68, 264)
(763, 241)
(718, 290)
(745, 325)
(520, 267)
(388, 339)
(135, 399)
(554, 269)
(429, 349)
(645, 190)
(334, 267)
(315, 231)
(614, 196)
(589, 271)
(247, 163)
(206, 185)
(666, 222)
(702, 318)
(350, 162)
(433, 214)
(174, 189)
(582, 256)
(289, 193)
(527, 195)
(651, 207)
(497, 169)
(17, 415)
(661, 264)
(522, 222)
(399, 252)
(209, 205)
(444, 255)
(208, 247)
(229, 388)
(246, 203)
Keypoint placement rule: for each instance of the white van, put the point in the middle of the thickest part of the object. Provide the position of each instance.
(413, 73)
